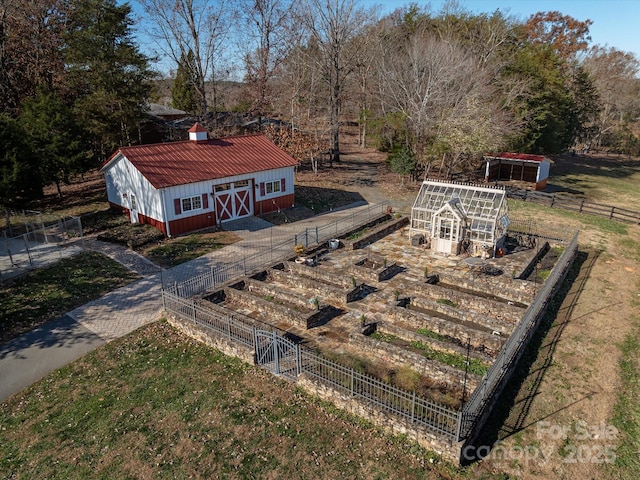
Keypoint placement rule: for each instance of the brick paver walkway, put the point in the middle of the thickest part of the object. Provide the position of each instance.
(132, 306)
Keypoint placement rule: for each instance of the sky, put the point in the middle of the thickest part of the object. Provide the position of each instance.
(616, 23)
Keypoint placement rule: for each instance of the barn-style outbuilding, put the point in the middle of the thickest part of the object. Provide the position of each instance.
(455, 218)
(522, 167)
(184, 186)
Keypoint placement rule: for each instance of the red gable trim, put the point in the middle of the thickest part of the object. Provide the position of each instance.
(527, 157)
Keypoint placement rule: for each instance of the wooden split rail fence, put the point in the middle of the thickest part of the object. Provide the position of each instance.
(576, 205)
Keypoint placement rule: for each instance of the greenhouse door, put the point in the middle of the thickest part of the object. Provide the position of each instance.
(446, 232)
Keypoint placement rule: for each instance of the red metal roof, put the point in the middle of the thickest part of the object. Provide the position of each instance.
(197, 128)
(179, 163)
(518, 156)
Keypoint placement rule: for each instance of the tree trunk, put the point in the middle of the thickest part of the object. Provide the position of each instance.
(334, 149)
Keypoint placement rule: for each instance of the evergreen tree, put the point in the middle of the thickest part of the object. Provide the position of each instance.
(19, 174)
(547, 109)
(184, 95)
(107, 73)
(54, 137)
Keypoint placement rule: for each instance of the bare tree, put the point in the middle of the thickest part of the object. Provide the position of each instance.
(336, 27)
(451, 108)
(266, 39)
(615, 74)
(197, 25)
(31, 43)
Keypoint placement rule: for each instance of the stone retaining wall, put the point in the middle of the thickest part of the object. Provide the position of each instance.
(440, 345)
(482, 306)
(328, 292)
(213, 339)
(436, 371)
(509, 289)
(328, 274)
(479, 339)
(376, 233)
(369, 411)
(276, 292)
(373, 268)
(273, 313)
(495, 323)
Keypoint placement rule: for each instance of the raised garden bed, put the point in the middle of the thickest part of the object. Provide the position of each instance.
(373, 231)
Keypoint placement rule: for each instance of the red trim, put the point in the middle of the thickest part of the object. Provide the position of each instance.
(205, 200)
(153, 222)
(177, 206)
(262, 189)
(120, 209)
(273, 204)
(190, 224)
(283, 185)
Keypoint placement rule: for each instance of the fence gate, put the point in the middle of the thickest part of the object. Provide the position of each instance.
(277, 354)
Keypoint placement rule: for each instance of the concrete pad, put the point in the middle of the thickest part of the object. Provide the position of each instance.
(30, 357)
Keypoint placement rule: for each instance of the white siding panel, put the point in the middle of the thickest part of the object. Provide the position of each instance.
(185, 191)
(199, 188)
(275, 175)
(123, 178)
(543, 170)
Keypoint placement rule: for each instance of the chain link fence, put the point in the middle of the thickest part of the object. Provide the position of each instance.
(31, 240)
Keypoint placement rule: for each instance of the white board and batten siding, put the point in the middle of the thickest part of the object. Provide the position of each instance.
(543, 170)
(207, 186)
(124, 180)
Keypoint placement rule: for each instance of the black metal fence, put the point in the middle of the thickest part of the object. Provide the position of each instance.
(493, 382)
(452, 424)
(270, 253)
(395, 401)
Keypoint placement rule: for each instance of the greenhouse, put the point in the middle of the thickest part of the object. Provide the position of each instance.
(458, 219)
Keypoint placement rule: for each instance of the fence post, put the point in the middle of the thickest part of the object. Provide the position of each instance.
(6, 241)
(581, 206)
(298, 360)
(459, 426)
(413, 407)
(611, 214)
(229, 319)
(26, 244)
(276, 357)
(255, 345)
(352, 394)
(193, 311)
